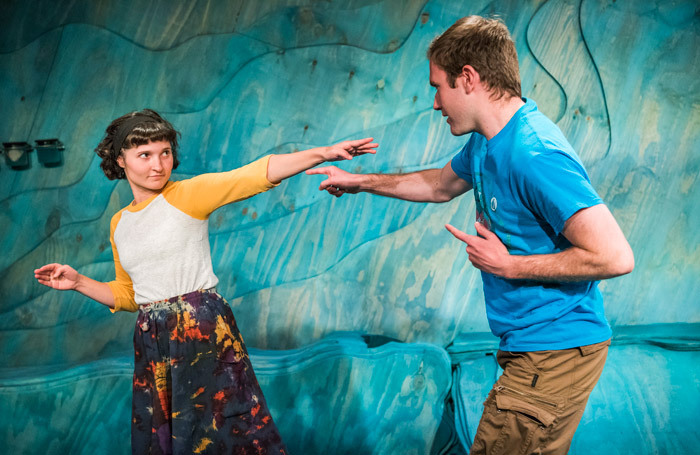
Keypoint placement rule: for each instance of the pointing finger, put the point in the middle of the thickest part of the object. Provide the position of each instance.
(463, 236)
(319, 170)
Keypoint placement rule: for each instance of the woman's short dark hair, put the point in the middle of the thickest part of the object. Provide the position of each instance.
(157, 129)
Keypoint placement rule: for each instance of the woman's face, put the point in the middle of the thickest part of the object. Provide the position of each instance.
(147, 167)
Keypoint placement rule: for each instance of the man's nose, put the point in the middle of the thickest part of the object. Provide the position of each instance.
(436, 104)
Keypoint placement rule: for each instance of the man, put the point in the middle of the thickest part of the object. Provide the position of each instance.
(544, 238)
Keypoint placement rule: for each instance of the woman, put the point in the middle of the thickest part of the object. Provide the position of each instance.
(194, 389)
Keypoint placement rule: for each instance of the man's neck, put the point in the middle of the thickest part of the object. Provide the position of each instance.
(498, 114)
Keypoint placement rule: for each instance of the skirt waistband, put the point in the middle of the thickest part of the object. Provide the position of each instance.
(173, 302)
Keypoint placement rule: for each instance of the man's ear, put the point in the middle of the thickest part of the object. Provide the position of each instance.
(471, 78)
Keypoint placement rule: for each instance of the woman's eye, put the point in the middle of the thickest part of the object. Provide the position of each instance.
(166, 152)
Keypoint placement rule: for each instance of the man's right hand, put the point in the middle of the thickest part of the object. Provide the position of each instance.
(338, 182)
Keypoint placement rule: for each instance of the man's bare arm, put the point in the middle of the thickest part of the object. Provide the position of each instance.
(430, 185)
(599, 250)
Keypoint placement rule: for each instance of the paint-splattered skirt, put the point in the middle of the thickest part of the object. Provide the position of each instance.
(194, 386)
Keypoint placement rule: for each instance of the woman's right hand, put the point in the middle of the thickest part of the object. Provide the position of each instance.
(347, 150)
(57, 276)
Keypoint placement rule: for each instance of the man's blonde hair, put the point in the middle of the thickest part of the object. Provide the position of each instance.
(485, 45)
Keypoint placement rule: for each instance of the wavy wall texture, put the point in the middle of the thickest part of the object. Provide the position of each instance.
(244, 79)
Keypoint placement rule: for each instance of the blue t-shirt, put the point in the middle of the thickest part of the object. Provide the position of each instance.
(527, 182)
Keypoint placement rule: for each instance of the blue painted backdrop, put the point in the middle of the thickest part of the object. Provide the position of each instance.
(244, 79)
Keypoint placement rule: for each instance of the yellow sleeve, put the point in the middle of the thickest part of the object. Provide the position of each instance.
(201, 195)
(122, 288)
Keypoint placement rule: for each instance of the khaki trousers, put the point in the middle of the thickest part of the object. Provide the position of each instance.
(537, 403)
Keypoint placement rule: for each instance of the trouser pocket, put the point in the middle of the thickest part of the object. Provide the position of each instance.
(513, 423)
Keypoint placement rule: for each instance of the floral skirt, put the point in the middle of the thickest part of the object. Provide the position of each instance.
(194, 389)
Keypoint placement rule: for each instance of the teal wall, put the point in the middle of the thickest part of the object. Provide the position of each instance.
(244, 79)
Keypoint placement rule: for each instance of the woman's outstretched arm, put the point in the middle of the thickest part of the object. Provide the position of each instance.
(64, 277)
(284, 166)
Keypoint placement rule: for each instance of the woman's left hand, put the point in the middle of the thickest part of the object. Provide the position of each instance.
(347, 150)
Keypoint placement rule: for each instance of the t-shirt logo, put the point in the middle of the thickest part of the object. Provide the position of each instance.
(494, 204)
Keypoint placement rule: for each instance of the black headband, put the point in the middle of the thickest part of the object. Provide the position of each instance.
(126, 128)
